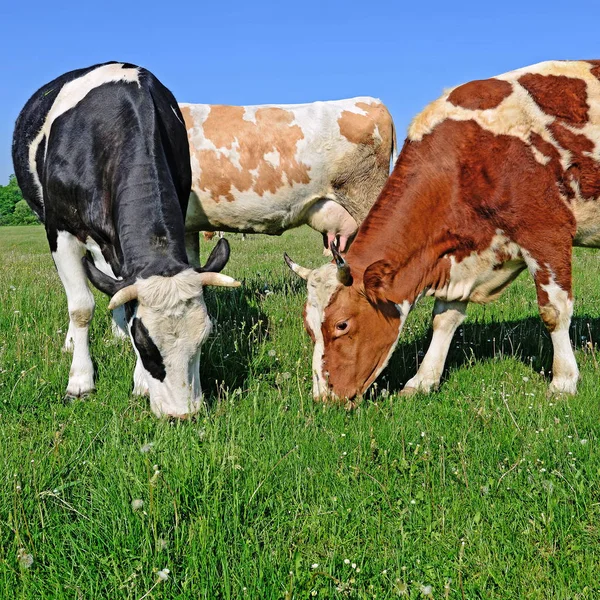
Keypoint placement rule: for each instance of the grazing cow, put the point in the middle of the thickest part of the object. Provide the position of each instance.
(266, 169)
(495, 177)
(101, 156)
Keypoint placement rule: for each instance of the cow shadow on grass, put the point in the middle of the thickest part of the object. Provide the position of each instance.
(526, 340)
(240, 328)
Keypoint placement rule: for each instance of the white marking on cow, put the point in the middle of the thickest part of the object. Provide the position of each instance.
(322, 283)
(273, 158)
(476, 276)
(69, 96)
(80, 301)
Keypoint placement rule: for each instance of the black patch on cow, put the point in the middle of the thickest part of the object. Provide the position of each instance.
(149, 353)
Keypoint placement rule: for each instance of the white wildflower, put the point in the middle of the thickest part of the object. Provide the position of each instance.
(147, 447)
(24, 559)
(164, 574)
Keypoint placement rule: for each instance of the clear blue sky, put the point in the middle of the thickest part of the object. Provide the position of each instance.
(268, 51)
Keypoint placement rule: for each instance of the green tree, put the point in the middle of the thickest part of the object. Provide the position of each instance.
(23, 215)
(10, 199)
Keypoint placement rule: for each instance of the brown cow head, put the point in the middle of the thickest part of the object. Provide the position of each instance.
(353, 324)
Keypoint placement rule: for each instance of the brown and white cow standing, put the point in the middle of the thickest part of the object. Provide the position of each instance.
(266, 169)
(495, 177)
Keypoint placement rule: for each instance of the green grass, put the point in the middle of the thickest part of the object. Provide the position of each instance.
(486, 487)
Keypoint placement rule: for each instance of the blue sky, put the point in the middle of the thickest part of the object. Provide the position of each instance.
(259, 52)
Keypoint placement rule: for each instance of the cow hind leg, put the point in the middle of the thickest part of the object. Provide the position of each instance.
(447, 317)
(80, 301)
(555, 304)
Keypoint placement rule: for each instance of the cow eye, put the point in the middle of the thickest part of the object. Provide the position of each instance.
(341, 326)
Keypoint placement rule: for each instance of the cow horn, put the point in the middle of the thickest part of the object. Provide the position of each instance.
(300, 271)
(343, 269)
(127, 294)
(218, 279)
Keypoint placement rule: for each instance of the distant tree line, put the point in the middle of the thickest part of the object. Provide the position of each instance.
(13, 209)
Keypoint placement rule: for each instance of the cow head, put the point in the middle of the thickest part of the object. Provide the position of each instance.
(353, 325)
(168, 322)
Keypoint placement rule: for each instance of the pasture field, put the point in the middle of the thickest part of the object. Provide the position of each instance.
(485, 489)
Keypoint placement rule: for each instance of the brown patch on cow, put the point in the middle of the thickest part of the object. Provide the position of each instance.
(481, 95)
(81, 317)
(595, 70)
(272, 132)
(583, 173)
(550, 316)
(364, 129)
(558, 95)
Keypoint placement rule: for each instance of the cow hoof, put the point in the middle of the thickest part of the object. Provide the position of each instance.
(70, 396)
(408, 391)
(562, 386)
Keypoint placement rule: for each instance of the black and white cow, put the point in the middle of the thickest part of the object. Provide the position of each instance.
(102, 157)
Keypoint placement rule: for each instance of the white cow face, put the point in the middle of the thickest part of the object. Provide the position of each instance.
(168, 324)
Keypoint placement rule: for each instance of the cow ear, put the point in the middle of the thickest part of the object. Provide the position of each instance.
(218, 258)
(378, 281)
(101, 280)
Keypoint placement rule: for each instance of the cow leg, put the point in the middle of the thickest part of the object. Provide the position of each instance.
(119, 323)
(192, 248)
(555, 303)
(80, 301)
(447, 317)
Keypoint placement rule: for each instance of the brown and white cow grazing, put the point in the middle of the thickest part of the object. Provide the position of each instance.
(495, 177)
(266, 169)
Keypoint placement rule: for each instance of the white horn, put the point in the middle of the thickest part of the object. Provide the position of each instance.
(299, 270)
(219, 279)
(124, 295)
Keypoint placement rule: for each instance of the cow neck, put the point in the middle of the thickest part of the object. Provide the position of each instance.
(150, 226)
(403, 227)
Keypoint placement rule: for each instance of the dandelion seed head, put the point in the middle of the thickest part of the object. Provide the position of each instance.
(146, 448)
(137, 504)
(314, 565)
(346, 561)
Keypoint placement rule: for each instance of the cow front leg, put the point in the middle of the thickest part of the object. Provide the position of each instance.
(447, 317)
(80, 302)
(192, 248)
